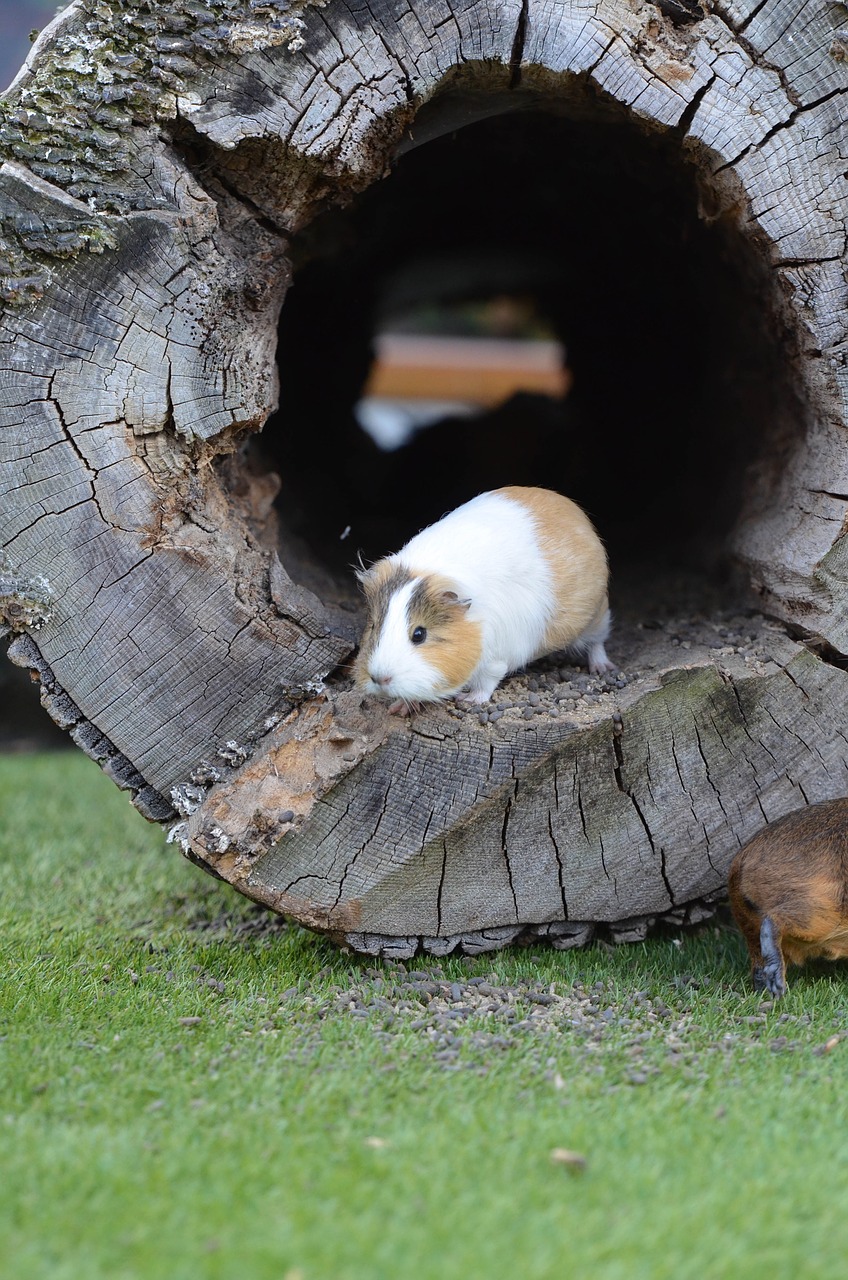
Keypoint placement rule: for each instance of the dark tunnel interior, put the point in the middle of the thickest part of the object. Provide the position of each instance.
(667, 317)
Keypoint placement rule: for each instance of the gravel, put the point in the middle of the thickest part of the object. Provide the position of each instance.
(469, 1023)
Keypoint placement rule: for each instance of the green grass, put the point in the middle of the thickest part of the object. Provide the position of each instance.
(286, 1134)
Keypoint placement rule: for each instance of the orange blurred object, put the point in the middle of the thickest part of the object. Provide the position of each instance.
(483, 371)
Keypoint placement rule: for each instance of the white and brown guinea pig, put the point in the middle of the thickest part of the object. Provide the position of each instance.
(514, 574)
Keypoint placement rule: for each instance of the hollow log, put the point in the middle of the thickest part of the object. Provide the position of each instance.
(207, 212)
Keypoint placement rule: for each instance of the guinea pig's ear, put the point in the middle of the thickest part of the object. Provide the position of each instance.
(451, 598)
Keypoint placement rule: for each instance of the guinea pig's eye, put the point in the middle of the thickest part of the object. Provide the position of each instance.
(419, 635)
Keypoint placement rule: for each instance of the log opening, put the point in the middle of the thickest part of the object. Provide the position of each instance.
(670, 317)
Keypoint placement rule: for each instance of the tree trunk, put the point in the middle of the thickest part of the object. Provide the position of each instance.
(668, 182)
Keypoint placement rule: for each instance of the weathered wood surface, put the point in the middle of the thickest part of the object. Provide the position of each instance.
(157, 160)
(542, 816)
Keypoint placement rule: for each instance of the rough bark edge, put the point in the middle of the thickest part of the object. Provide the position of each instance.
(562, 935)
(24, 652)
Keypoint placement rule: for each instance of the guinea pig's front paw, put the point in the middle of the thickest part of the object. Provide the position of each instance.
(401, 708)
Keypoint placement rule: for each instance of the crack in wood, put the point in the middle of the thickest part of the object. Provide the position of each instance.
(504, 850)
(350, 865)
(560, 868)
(441, 887)
(657, 850)
(715, 790)
(592, 68)
(799, 110)
(827, 493)
(395, 59)
(91, 473)
(691, 110)
(518, 43)
(746, 22)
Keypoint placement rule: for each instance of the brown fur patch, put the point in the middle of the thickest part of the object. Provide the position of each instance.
(796, 871)
(454, 644)
(577, 561)
(380, 583)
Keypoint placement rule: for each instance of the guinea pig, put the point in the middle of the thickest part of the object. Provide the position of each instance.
(505, 578)
(789, 891)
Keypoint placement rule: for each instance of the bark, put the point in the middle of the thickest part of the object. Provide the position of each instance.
(162, 165)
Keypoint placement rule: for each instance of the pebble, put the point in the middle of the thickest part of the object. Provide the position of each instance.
(570, 1159)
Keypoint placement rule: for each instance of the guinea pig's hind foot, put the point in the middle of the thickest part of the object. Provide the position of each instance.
(598, 662)
(771, 975)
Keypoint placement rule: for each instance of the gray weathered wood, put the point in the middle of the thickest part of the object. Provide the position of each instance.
(157, 161)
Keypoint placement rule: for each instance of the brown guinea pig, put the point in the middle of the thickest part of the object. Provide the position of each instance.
(789, 891)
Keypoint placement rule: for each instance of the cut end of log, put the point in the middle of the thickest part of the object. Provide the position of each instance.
(198, 269)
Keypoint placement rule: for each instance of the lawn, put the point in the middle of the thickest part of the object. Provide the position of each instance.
(189, 1088)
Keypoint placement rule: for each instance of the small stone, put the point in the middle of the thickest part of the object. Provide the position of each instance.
(189, 1022)
(572, 1160)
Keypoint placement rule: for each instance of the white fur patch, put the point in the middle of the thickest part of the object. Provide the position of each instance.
(395, 656)
(489, 547)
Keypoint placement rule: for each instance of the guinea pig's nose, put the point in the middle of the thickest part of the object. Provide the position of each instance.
(381, 679)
